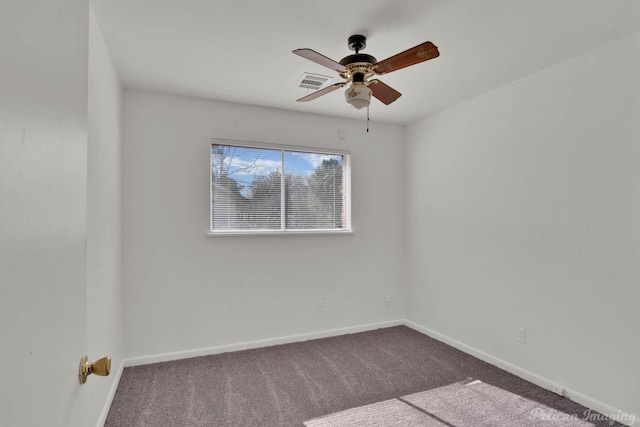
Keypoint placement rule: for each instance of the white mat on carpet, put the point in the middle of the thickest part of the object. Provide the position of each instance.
(467, 404)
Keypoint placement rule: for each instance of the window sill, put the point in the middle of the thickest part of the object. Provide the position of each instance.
(276, 233)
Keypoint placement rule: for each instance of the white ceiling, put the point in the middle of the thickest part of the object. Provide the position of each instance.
(240, 50)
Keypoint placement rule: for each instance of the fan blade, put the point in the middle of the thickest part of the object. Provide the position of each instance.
(314, 56)
(321, 92)
(385, 93)
(415, 55)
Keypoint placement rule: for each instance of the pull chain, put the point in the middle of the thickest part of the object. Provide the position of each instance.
(367, 118)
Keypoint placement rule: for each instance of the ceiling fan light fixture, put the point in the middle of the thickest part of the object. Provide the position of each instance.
(357, 69)
(358, 96)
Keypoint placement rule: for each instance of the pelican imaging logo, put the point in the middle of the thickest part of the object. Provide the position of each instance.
(548, 414)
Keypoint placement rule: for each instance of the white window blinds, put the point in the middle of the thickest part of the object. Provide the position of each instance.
(267, 188)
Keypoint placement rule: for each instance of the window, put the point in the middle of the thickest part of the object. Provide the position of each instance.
(270, 188)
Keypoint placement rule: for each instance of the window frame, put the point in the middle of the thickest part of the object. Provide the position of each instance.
(346, 160)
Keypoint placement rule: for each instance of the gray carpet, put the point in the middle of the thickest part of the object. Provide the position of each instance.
(465, 404)
(286, 385)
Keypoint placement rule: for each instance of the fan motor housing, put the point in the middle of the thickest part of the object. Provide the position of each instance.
(358, 64)
(358, 57)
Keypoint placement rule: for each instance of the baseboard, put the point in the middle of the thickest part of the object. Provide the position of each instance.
(546, 383)
(165, 357)
(112, 392)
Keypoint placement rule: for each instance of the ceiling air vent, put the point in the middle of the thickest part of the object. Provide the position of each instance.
(313, 81)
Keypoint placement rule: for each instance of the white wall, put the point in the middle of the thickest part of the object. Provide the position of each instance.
(104, 252)
(186, 291)
(43, 207)
(523, 210)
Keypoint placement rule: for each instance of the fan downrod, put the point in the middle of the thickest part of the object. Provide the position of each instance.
(357, 42)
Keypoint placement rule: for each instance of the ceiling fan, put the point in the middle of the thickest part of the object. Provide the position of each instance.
(358, 68)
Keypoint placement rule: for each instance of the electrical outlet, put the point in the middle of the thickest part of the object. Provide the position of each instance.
(320, 306)
(387, 300)
(521, 334)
